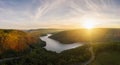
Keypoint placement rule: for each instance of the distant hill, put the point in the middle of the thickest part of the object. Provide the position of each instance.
(39, 32)
(15, 40)
(84, 35)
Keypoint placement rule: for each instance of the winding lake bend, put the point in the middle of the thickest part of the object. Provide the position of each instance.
(56, 46)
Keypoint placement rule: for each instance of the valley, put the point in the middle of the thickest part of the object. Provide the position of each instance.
(51, 52)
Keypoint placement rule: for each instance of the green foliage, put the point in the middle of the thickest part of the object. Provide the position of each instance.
(82, 35)
(74, 56)
(106, 53)
(40, 56)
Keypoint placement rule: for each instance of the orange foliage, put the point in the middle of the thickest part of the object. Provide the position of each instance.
(15, 40)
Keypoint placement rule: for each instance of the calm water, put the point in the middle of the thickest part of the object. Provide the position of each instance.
(56, 46)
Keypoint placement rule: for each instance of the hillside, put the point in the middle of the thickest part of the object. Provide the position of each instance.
(15, 41)
(83, 35)
(106, 53)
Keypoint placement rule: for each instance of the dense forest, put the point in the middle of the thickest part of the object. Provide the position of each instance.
(40, 56)
(84, 35)
(15, 41)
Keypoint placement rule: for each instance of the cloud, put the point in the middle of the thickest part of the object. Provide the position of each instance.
(45, 13)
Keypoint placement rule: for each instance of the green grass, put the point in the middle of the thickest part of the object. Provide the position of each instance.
(107, 58)
(106, 53)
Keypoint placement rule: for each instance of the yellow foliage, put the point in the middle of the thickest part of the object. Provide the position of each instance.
(15, 40)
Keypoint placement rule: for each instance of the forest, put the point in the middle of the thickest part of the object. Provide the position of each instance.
(30, 50)
(15, 43)
(84, 35)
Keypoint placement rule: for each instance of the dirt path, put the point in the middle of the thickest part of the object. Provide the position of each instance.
(92, 57)
(8, 59)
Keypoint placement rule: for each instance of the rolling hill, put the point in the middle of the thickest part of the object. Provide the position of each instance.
(84, 35)
(40, 32)
(15, 41)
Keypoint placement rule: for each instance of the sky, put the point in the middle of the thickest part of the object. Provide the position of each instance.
(33, 14)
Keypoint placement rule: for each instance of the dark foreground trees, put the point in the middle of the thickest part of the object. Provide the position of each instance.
(40, 56)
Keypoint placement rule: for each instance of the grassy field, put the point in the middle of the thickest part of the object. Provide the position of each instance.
(107, 58)
(106, 53)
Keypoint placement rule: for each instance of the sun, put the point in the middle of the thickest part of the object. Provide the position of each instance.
(89, 24)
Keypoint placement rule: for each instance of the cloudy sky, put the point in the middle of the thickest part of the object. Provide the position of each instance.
(27, 14)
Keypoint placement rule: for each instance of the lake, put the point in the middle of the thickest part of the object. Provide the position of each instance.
(53, 45)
